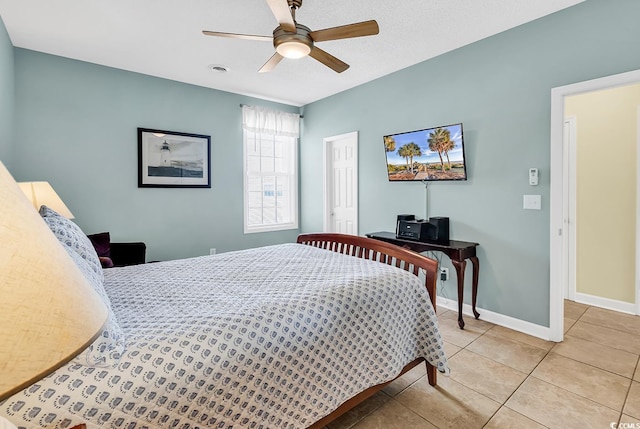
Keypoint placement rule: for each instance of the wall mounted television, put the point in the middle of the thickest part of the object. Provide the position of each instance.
(431, 154)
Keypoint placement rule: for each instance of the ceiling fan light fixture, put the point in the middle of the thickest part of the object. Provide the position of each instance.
(294, 40)
(293, 49)
(293, 45)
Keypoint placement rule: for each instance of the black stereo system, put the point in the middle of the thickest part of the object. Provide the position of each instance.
(436, 229)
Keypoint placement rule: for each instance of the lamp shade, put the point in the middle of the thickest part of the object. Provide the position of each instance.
(41, 193)
(48, 310)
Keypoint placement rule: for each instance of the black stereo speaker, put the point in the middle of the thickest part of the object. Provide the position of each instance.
(439, 230)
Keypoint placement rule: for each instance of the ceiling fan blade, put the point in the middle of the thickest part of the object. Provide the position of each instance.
(280, 9)
(366, 28)
(328, 60)
(238, 36)
(271, 63)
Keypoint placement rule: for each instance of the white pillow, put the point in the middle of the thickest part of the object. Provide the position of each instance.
(70, 234)
(107, 349)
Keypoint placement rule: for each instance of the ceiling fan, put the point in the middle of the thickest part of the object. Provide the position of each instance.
(293, 40)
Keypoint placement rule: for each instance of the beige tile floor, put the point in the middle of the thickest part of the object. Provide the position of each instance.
(505, 379)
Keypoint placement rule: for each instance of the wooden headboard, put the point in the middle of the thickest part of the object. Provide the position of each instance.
(375, 250)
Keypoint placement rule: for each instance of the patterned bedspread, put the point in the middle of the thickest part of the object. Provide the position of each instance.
(273, 337)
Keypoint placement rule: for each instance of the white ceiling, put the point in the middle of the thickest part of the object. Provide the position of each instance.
(163, 37)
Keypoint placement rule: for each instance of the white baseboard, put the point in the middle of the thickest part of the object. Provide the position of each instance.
(498, 319)
(610, 304)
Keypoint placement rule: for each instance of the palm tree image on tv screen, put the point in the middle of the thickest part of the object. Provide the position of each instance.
(426, 155)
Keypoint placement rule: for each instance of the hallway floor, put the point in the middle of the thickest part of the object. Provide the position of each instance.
(505, 379)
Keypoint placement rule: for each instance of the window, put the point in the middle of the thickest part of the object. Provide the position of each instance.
(270, 170)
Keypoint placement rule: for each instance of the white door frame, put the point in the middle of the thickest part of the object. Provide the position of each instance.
(637, 277)
(558, 215)
(327, 193)
(569, 154)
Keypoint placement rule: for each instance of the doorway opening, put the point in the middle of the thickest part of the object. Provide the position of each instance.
(560, 238)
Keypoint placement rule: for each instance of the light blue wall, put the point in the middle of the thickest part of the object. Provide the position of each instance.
(76, 127)
(500, 89)
(6, 97)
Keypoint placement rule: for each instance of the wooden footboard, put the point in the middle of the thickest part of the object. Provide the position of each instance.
(386, 253)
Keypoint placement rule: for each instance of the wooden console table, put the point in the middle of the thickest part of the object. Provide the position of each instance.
(457, 251)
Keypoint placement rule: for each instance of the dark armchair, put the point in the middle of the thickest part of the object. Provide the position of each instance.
(117, 254)
(128, 253)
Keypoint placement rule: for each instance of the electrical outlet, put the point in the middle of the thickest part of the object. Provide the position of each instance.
(444, 274)
(212, 251)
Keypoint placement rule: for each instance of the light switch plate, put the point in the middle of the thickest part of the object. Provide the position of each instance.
(532, 202)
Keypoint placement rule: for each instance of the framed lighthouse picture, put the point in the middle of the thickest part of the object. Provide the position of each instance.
(169, 159)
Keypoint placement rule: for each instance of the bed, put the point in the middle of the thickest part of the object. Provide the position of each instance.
(283, 336)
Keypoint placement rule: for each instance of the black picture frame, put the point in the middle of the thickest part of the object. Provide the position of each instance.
(171, 159)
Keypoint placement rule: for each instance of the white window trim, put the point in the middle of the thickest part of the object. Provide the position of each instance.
(294, 190)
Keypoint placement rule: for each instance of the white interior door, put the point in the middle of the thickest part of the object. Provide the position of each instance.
(341, 183)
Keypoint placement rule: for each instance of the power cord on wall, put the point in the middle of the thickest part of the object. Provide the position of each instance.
(426, 198)
(440, 289)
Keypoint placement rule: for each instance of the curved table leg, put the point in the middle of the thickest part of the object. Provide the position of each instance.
(460, 266)
(474, 291)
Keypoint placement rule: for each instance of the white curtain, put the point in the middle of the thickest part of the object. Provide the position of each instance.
(273, 122)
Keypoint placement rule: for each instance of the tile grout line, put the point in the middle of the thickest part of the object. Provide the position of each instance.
(602, 326)
(502, 404)
(596, 367)
(626, 398)
(518, 387)
(593, 366)
(528, 374)
(579, 319)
